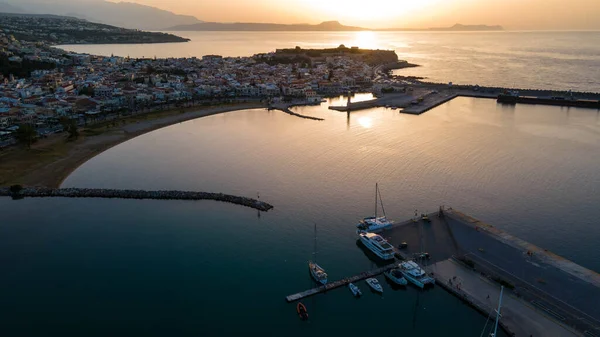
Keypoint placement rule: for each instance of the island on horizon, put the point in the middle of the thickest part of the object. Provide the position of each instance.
(322, 27)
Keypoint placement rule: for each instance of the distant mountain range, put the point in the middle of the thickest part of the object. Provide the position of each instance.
(324, 26)
(121, 14)
(136, 16)
(456, 28)
(240, 26)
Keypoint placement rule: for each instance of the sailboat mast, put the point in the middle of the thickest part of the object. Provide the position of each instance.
(381, 201)
(315, 251)
(376, 193)
(498, 312)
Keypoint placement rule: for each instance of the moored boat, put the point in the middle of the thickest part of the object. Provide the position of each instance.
(375, 223)
(395, 275)
(316, 271)
(354, 289)
(302, 312)
(377, 245)
(415, 274)
(374, 284)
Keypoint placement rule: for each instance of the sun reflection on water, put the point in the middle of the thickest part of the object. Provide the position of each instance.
(366, 122)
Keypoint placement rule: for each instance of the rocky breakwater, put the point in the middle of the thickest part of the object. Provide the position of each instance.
(17, 192)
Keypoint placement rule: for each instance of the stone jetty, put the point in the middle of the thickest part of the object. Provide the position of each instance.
(286, 108)
(43, 192)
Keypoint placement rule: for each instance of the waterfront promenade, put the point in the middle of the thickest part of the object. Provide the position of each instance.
(518, 317)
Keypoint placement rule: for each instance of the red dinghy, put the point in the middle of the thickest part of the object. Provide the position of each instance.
(302, 313)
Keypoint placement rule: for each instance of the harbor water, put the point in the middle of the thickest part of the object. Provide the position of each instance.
(155, 268)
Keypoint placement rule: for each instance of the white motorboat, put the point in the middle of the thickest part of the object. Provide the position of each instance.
(374, 284)
(415, 274)
(354, 289)
(395, 275)
(316, 271)
(377, 245)
(375, 223)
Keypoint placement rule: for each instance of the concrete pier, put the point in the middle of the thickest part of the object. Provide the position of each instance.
(518, 317)
(42, 192)
(546, 295)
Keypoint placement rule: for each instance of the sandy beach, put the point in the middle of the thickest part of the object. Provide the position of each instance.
(50, 161)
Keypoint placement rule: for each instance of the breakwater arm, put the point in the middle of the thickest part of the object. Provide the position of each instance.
(286, 109)
(43, 192)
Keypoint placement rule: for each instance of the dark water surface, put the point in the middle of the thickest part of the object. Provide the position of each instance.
(113, 267)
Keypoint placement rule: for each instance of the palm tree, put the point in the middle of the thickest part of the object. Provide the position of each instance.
(26, 134)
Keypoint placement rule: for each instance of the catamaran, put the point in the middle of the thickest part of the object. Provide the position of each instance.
(317, 272)
(375, 223)
(415, 274)
(377, 245)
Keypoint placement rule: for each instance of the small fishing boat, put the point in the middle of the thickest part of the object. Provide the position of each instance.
(302, 312)
(374, 284)
(354, 289)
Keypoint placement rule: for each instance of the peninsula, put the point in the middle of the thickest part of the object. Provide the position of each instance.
(53, 29)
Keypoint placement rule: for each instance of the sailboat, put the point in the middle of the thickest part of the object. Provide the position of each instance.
(375, 223)
(316, 271)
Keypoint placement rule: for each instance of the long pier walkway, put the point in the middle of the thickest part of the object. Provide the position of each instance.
(340, 283)
(42, 192)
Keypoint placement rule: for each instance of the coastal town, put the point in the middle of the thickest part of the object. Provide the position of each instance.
(87, 89)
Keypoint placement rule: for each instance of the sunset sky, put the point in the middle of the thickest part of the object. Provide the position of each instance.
(513, 14)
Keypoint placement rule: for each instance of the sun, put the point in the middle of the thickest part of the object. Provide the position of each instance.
(368, 11)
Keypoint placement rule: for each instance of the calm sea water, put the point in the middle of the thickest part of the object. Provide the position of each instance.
(546, 60)
(113, 267)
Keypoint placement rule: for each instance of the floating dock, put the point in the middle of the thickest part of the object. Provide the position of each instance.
(337, 284)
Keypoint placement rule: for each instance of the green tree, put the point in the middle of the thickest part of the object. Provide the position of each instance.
(26, 134)
(70, 125)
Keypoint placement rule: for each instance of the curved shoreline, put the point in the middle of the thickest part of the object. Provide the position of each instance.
(54, 171)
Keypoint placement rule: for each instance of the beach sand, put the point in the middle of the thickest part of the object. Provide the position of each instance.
(50, 161)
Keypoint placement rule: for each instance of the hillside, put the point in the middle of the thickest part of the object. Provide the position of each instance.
(55, 29)
(120, 14)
